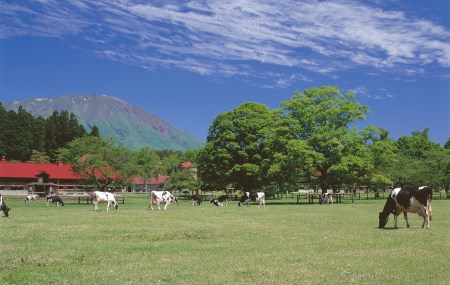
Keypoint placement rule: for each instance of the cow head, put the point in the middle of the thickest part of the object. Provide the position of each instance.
(244, 198)
(382, 220)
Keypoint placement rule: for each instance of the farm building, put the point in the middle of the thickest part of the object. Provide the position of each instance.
(154, 184)
(26, 177)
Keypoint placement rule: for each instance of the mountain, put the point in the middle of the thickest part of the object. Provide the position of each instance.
(133, 127)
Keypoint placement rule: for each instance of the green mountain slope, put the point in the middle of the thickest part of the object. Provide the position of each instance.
(133, 127)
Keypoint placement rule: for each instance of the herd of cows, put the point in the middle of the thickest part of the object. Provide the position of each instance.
(400, 200)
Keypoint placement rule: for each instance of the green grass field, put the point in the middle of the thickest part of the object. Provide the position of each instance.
(278, 244)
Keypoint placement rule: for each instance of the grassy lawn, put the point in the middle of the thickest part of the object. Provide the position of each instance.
(278, 244)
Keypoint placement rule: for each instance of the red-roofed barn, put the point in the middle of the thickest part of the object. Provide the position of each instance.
(38, 177)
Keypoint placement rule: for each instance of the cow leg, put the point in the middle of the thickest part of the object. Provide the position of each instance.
(426, 219)
(107, 206)
(405, 215)
(158, 204)
(395, 220)
(167, 204)
(426, 222)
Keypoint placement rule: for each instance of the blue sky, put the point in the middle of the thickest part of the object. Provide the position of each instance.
(188, 61)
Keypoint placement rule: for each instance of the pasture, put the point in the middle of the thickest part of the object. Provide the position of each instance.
(278, 244)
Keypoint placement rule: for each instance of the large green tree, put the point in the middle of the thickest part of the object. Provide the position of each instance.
(421, 162)
(20, 134)
(327, 147)
(416, 145)
(100, 161)
(234, 151)
(4, 130)
(147, 164)
(61, 128)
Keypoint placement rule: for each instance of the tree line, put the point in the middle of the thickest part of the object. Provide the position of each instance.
(24, 137)
(311, 141)
(106, 164)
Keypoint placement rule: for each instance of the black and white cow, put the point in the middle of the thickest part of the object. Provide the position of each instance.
(54, 199)
(215, 202)
(100, 196)
(3, 208)
(406, 200)
(197, 199)
(248, 197)
(220, 201)
(158, 197)
(223, 199)
(31, 197)
(326, 198)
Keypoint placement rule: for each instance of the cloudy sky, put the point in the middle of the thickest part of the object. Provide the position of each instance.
(188, 61)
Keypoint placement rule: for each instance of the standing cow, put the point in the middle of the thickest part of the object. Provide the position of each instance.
(326, 198)
(158, 197)
(99, 196)
(197, 199)
(3, 208)
(259, 197)
(406, 200)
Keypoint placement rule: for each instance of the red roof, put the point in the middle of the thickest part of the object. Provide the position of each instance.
(155, 180)
(186, 164)
(30, 170)
(158, 180)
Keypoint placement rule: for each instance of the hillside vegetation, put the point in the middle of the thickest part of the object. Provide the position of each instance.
(132, 126)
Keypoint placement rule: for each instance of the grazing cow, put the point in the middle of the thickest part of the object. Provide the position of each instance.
(197, 199)
(254, 197)
(215, 202)
(326, 198)
(31, 197)
(223, 199)
(3, 208)
(54, 199)
(406, 200)
(100, 196)
(158, 197)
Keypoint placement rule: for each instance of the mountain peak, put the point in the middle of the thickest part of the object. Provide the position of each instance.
(132, 126)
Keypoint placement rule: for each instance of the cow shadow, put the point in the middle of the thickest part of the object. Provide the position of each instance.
(387, 229)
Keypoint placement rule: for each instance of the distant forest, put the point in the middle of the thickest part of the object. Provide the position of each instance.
(24, 137)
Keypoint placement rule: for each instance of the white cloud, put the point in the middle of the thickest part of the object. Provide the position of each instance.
(236, 38)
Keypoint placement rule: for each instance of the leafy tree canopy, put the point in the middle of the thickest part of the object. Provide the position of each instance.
(234, 152)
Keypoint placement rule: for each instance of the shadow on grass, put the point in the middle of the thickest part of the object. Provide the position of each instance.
(386, 229)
